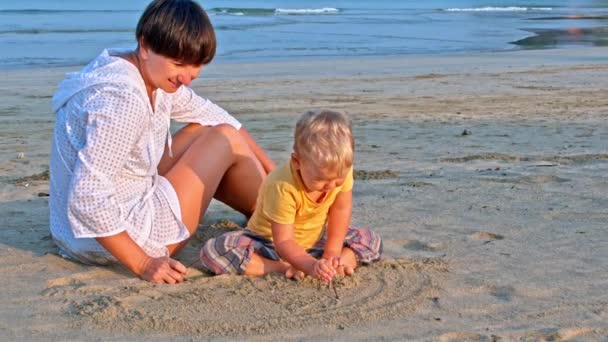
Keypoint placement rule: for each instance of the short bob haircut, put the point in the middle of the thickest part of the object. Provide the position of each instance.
(177, 29)
(324, 138)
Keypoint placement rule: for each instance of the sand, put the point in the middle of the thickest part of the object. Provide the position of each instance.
(486, 175)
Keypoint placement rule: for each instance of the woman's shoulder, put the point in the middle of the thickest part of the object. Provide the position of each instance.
(107, 79)
(111, 71)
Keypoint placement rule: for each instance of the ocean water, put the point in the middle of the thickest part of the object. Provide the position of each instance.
(71, 32)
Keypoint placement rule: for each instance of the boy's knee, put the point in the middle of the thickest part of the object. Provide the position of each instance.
(219, 257)
(367, 245)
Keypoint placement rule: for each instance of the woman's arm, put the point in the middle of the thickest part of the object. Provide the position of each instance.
(260, 154)
(92, 208)
(127, 252)
(190, 107)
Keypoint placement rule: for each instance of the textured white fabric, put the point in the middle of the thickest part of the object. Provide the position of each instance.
(107, 144)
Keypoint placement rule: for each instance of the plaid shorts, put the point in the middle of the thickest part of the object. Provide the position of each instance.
(231, 252)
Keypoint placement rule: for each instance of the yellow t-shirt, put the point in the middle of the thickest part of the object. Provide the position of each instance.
(283, 200)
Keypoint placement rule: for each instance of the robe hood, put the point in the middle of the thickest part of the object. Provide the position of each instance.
(106, 68)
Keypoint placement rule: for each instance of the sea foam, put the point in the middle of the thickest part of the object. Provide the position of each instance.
(307, 10)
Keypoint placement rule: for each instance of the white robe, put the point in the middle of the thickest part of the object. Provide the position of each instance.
(106, 147)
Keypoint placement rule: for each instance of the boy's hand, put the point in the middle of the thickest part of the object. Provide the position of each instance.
(323, 270)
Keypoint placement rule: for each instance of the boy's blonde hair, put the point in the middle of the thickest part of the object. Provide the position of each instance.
(324, 138)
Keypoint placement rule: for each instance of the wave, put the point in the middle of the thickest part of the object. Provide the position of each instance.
(498, 9)
(272, 11)
(216, 11)
(324, 10)
(47, 31)
(52, 11)
(243, 11)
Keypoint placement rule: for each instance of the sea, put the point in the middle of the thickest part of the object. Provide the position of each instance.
(36, 33)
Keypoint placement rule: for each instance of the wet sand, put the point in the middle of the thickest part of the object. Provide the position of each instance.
(486, 175)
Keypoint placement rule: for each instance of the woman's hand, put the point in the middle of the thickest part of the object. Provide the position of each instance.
(157, 270)
(163, 270)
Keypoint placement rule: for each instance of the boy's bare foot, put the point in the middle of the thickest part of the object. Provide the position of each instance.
(345, 270)
(293, 273)
(348, 261)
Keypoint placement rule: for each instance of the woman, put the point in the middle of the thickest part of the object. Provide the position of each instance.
(122, 189)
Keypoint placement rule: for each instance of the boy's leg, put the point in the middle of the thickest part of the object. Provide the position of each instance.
(227, 253)
(258, 265)
(365, 244)
(360, 246)
(265, 258)
(240, 252)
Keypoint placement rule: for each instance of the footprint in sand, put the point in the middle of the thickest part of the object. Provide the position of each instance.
(501, 292)
(567, 334)
(486, 236)
(504, 293)
(415, 245)
(467, 337)
(541, 179)
(373, 175)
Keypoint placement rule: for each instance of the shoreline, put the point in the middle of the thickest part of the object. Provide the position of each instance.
(485, 174)
(273, 68)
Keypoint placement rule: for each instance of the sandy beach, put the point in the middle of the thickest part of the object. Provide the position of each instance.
(486, 174)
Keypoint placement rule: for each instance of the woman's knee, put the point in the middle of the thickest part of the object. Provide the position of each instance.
(225, 130)
(191, 129)
(230, 134)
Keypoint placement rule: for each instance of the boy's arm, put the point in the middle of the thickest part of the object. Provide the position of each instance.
(290, 251)
(337, 224)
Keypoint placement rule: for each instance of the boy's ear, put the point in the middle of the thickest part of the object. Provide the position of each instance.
(295, 160)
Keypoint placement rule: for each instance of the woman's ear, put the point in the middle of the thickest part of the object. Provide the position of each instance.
(142, 49)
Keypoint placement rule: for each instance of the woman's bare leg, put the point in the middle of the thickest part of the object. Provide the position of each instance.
(232, 190)
(208, 162)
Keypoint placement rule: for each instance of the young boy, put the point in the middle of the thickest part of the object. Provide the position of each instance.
(313, 191)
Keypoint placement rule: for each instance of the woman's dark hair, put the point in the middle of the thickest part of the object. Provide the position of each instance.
(177, 29)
